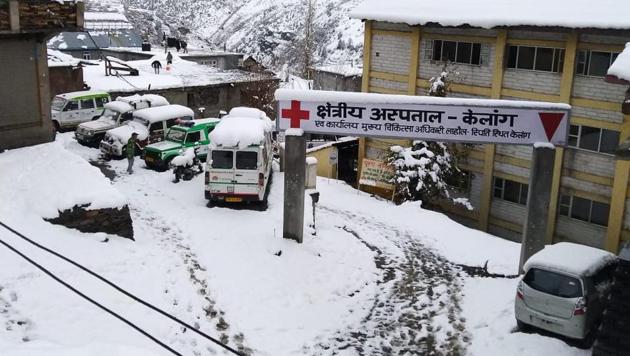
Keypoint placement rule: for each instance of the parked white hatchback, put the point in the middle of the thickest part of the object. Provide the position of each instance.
(564, 289)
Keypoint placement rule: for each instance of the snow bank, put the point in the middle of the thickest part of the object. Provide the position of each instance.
(184, 160)
(571, 258)
(47, 178)
(349, 97)
(241, 131)
(621, 67)
(608, 14)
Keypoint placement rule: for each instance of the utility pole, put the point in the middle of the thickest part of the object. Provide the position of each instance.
(294, 177)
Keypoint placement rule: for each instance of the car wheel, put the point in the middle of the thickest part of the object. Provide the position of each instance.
(56, 126)
(521, 326)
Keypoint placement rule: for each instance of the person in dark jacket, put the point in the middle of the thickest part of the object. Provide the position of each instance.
(169, 58)
(132, 145)
(156, 66)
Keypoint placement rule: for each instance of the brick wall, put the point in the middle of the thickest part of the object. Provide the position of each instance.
(382, 48)
(598, 114)
(388, 84)
(589, 162)
(529, 80)
(598, 89)
(573, 230)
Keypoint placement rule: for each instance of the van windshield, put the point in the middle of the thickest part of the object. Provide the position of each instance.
(553, 283)
(222, 159)
(246, 160)
(58, 103)
(110, 114)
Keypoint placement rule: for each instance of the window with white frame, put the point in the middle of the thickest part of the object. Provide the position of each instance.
(593, 138)
(510, 190)
(594, 63)
(87, 55)
(457, 52)
(584, 209)
(536, 58)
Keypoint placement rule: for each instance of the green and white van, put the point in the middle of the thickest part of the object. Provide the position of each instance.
(70, 109)
(186, 134)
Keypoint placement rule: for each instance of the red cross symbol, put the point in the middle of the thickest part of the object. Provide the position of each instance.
(295, 114)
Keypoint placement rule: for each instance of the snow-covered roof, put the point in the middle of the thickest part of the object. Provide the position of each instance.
(154, 99)
(570, 258)
(181, 73)
(603, 14)
(104, 16)
(620, 69)
(118, 106)
(60, 59)
(72, 41)
(161, 113)
(77, 94)
(347, 70)
(241, 131)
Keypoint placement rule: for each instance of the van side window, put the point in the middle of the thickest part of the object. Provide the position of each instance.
(156, 126)
(193, 137)
(71, 105)
(87, 104)
(222, 159)
(553, 283)
(246, 160)
(170, 122)
(126, 117)
(100, 101)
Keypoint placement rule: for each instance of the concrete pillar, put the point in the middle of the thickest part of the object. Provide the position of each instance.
(535, 226)
(14, 15)
(294, 177)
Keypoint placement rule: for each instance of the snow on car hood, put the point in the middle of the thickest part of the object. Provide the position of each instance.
(97, 125)
(123, 133)
(164, 145)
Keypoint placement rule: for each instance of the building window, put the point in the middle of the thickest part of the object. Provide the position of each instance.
(593, 138)
(510, 190)
(457, 52)
(87, 55)
(584, 209)
(536, 58)
(594, 63)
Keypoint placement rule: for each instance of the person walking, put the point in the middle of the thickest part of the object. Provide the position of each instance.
(131, 151)
(169, 58)
(156, 66)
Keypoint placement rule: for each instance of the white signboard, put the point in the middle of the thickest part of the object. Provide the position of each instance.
(419, 117)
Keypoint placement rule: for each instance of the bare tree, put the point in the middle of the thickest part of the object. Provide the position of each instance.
(308, 41)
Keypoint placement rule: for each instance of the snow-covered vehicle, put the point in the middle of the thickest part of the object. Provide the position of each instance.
(70, 109)
(187, 164)
(239, 164)
(150, 124)
(564, 289)
(186, 134)
(116, 113)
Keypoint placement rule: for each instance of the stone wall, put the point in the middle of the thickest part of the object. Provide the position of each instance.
(115, 221)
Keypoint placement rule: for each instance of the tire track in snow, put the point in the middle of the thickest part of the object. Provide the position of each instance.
(417, 307)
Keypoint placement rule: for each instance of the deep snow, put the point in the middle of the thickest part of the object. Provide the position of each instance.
(221, 268)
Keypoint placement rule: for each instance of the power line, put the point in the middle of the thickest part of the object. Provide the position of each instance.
(116, 287)
(109, 311)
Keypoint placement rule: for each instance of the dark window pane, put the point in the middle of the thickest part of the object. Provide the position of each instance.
(565, 199)
(581, 209)
(72, 105)
(589, 138)
(524, 189)
(246, 160)
(171, 122)
(100, 102)
(222, 159)
(498, 183)
(87, 104)
(156, 126)
(581, 62)
(193, 137)
(599, 213)
(600, 61)
(464, 50)
(560, 57)
(544, 59)
(526, 57)
(476, 54)
(437, 50)
(573, 141)
(564, 210)
(512, 191)
(512, 51)
(448, 51)
(610, 141)
(574, 130)
(553, 283)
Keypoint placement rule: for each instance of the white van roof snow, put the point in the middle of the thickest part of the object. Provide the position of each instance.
(241, 131)
(570, 258)
(118, 106)
(75, 94)
(155, 100)
(160, 113)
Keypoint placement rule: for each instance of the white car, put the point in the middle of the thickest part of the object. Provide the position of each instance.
(70, 109)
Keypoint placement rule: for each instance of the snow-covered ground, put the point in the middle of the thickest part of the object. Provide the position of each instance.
(377, 279)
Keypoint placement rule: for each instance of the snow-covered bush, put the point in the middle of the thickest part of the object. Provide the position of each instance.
(441, 85)
(425, 172)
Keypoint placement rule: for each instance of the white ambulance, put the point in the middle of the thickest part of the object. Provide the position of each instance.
(239, 163)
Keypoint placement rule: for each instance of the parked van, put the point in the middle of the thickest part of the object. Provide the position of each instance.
(70, 109)
(564, 289)
(184, 135)
(116, 113)
(150, 124)
(239, 164)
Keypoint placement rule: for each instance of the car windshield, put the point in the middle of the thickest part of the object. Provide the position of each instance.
(175, 135)
(110, 114)
(222, 159)
(58, 103)
(553, 283)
